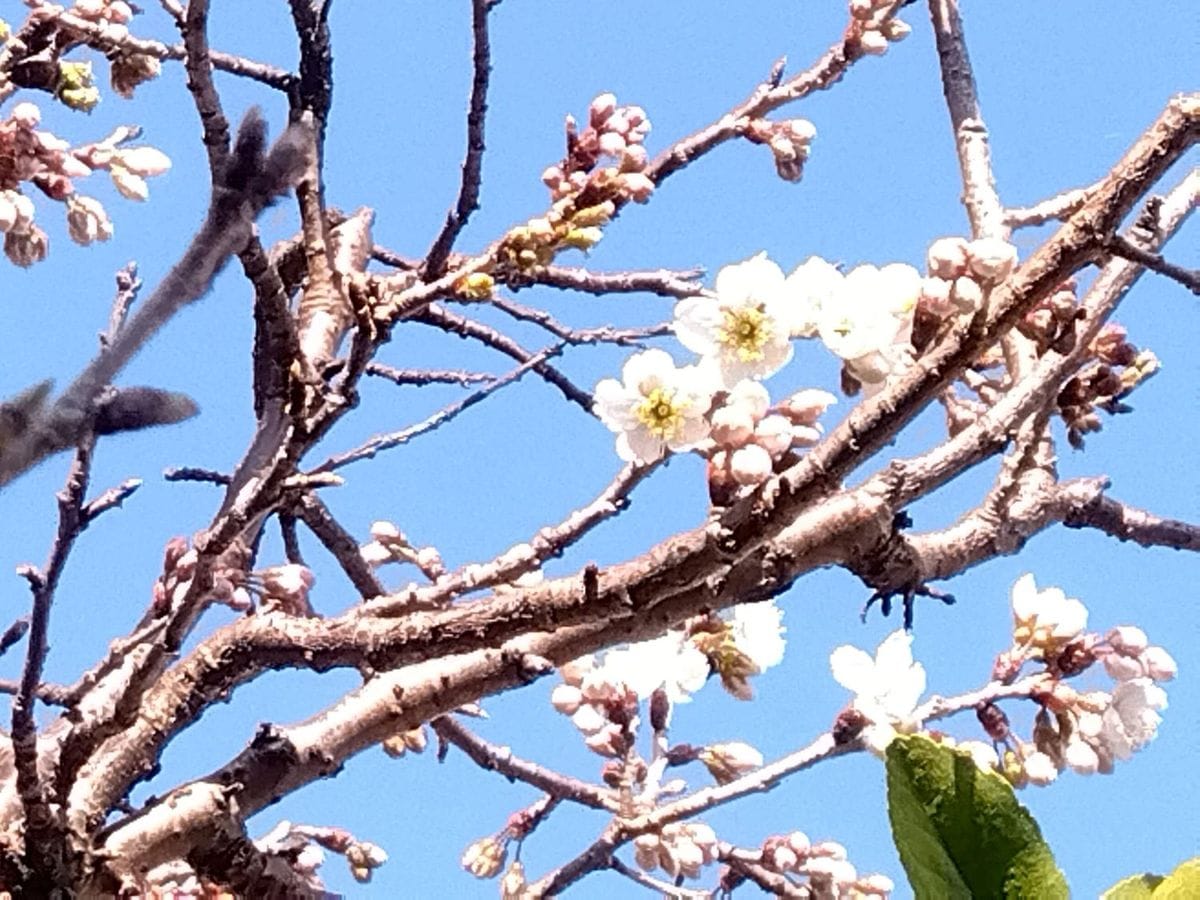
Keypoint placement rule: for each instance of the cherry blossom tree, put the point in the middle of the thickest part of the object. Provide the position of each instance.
(1015, 344)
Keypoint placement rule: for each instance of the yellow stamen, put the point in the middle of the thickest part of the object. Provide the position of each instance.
(745, 331)
(662, 413)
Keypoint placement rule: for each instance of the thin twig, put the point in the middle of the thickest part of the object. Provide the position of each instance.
(338, 541)
(622, 337)
(472, 168)
(1128, 523)
(13, 633)
(111, 498)
(420, 377)
(470, 328)
(663, 282)
(44, 839)
(382, 442)
(1058, 207)
(1126, 249)
(500, 759)
(668, 890)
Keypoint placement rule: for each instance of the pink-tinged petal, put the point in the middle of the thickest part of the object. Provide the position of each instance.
(639, 445)
(1025, 598)
(614, 404)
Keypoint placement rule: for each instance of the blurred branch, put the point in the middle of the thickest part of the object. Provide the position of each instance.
(1122, 247)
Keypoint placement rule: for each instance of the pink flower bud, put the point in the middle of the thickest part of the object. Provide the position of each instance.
(145, 161)
(637, 186)
(485, 857)
(26, 247)
(935, 295)
(753, 395)
(895, 30)
(967, 294)
(553, 177)
(732, 426)
(129, 184)
(774, 434)
(588, 719)
(1159, 664)
(27, 115)
(992, 259)
(873, 43)
(1080, 756)
(1128, 640)
(1039, 768)
(806, 406)
(8, 212)
(947, 257)
(799, 843)
(781, 858)
(634, 158)
(612, 143)
(750, 464)
(879, 885)
(566, 699)
(617, 123)
(601, 108)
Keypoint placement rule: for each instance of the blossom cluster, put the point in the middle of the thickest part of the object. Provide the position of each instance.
(1084, 730)
(39, 158)
(388, 544)
(602, 693)
(871, 31)
(825, 864)
(284, 588)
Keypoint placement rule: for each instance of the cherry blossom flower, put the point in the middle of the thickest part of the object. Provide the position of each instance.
(1045, 619)
(671, 662)
(1132, 719)
(886, 688)
(658, 407)
(730, 760)
(812, 286)
(745, 328)
(758, 632)
(868, 322)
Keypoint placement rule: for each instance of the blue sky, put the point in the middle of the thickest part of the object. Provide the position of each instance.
(1065, 88)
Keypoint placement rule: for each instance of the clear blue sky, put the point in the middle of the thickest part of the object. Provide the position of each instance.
(1065, 88)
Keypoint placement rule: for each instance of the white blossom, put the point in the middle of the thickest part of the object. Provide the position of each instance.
(812, 286)
(868, 322)
(757, 630)
(1045, 618)
(670, 662)
(744, 330)
(1039, 768)
(656, 407)
(1132, 720)
(886, 688)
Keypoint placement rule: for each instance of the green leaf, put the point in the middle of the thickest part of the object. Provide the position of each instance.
(960, 831)
(1182, 883)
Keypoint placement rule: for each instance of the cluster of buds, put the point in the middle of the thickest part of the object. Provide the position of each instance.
(1050, 323)
(789, 141)
(302, 847)
(1084, 731)
(50, 164)
(389, 545)
(830, 874)
(961, 273)
(614, 132)
(413, 739)
(116, 12)
(681, 849)
(585, 193)
(606, 711)
(229, 578)
(1119, 368)
(283, 588)
(750, 438)
(870, 32)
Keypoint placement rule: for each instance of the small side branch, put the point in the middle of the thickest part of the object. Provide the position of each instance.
(1126, 249)
(313, 512)
(472, 168)
(495, 758)
(1128, 523)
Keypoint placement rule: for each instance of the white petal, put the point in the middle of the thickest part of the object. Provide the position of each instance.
(696, 323)
(641, 445)
(853, 669)
(647, 370)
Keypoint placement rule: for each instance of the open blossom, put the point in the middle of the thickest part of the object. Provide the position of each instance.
(811, 287)
(745, 329)
(868, 321)
(655, 407)
(758, 632)
(886, 688)
(1047, 618)
(1131, 720)
(671, 662)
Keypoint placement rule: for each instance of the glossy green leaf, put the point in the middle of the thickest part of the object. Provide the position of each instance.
(960, 831)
